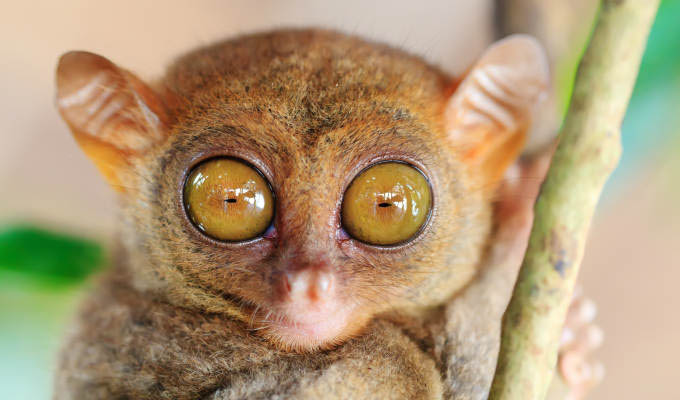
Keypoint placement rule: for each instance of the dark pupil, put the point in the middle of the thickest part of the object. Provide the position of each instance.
(230, 200)
(384, 205)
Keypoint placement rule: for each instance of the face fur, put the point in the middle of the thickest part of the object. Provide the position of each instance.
(309, 110)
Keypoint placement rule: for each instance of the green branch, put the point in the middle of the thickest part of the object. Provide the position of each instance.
(588, 151)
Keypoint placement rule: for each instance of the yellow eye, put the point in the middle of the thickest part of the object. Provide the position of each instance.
(228, 200)
(386, 204)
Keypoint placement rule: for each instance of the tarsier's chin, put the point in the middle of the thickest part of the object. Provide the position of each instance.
(303, 181)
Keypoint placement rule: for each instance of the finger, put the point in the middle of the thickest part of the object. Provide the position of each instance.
(580, 390)
(581, 313)
(574, 369)
(572, 362)
(586, 340)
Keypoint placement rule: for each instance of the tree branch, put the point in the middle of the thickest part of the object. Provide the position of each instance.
(588, 151)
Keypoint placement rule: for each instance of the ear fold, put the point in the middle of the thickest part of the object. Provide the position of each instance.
(488, 115)
(112, 114)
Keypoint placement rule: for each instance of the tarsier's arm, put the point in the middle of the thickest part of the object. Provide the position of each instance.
(473, 319)
(506, 80)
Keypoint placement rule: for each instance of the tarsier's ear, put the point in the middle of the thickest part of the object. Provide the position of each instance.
(488, 115)
(113, 115)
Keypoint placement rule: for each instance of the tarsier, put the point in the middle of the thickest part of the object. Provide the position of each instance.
(304, 214)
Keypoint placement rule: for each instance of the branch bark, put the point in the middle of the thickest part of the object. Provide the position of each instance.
(588, 151)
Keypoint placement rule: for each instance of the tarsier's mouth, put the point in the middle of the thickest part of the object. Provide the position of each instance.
(303, 311)
(309, 309)
(308, 330)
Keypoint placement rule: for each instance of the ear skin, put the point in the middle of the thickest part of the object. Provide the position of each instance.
(489, 114)
(112, 114)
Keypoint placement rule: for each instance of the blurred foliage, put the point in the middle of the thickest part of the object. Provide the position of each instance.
(662, 57)
(47, 256)
(651, 123)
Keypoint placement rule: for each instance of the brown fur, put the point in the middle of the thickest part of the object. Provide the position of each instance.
(182, 316)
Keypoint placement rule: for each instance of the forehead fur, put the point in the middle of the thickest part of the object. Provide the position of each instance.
(316, 74)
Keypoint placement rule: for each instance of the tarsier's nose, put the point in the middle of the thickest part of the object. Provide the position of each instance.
(309, 285)
(310, 310)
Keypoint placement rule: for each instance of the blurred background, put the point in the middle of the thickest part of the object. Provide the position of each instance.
(57, 215)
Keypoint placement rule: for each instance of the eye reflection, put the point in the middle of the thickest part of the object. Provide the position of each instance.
(386, 204)
(228, 200)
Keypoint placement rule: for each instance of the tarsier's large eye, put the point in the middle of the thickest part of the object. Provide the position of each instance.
(228, 200)
(386, 204)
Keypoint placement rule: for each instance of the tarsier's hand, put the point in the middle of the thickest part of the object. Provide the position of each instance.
(579, 338)
(473, 327)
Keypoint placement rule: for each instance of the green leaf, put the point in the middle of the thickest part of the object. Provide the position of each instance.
(48, 256)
